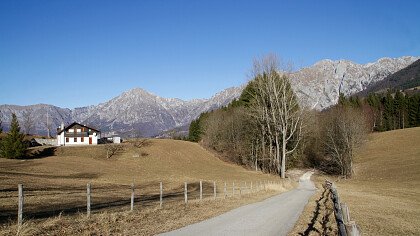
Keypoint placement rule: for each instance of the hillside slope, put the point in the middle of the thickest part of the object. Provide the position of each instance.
(170, 161)
(58, 181)
(407, 78)
(384, 195)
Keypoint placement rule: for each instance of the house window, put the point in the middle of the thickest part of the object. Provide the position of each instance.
(71, 130)
(82, 139)
(75, 140)
(79, 130)
(67, 140)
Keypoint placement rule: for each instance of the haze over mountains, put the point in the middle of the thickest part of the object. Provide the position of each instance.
(138, 112)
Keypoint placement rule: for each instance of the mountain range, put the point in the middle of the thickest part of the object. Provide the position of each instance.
(139, 113)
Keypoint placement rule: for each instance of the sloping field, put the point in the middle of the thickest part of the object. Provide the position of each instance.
(384, 195)
(55, 181)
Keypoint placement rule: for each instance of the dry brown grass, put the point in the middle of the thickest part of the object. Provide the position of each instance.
(58, 183)
(384, 194)
(144, 221)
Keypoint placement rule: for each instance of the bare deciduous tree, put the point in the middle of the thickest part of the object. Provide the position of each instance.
(48, 125)
(140, 142)
(343, 130)
(1, 119)
(112, 149)
(28, 121)
(276, 106)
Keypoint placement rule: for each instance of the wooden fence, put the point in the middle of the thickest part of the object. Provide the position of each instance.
(346, 227)
(235, 191)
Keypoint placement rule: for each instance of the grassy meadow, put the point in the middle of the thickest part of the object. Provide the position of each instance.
(384, 194)
(55, 181)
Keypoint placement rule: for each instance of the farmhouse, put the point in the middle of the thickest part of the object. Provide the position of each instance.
(77, 134)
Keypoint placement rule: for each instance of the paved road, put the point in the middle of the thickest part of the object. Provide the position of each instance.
(274, 216)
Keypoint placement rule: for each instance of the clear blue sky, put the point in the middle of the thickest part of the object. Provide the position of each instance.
(78, 53)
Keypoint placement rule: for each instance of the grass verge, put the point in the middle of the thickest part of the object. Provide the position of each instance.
(143, 221)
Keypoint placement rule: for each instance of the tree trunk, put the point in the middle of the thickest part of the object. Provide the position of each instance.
(278, 154)
(283, 157)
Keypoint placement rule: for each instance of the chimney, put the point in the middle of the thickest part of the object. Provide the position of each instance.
(62, 125)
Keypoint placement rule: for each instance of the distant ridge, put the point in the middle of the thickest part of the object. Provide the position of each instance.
(137, 112)
(405, 79)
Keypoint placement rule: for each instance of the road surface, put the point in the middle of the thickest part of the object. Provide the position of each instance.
(274, 216)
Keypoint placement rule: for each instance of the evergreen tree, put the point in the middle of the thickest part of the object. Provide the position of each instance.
(411, 113)
(400, 110)
(196, 128)
(414, 110)
(13, 146)
(418, 110)
(354, 102)
(374, 102)
(194, 131)
(342, 100)
(388, 103)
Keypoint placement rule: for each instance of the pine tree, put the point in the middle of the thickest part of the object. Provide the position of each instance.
(196, 129)
(400, 110)
(355, 102)
(13, 146)
(343, 101)
(374, 102)
(413, 111)
(388, 103)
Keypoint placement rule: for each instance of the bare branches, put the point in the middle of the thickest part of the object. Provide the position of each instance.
(1, 120)
(140, 142)
(112, 149)
(28, 121)
(344, 129)
(276, 107)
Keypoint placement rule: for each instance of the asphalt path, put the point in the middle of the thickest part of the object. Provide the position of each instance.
(274, 216)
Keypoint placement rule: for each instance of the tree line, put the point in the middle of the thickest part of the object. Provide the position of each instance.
(387, 111)
(267, 129)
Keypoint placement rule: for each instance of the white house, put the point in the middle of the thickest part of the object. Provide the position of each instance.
(77, 134)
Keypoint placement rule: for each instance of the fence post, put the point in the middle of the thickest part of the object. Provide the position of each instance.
(346, 213)
(186, 193)
(246, 188)
(20, 204)
(233, 188)
(251, 187)
(132, 197)
(225, 191)
(214, 190)
(161, 195)
(88, 191)
(240, 189)
(352, 230)
(201, 189)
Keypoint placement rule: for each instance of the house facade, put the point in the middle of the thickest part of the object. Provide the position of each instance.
(77, 134)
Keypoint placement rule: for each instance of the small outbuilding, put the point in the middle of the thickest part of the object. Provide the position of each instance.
(77, 134)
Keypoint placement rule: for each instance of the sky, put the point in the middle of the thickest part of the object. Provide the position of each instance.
(78, 53)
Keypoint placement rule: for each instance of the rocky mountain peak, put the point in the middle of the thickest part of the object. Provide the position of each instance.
(139, 112)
